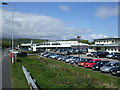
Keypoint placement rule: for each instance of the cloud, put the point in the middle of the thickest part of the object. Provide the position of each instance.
(27, 25)
(105, 12)
(64, 8)
(94, 36)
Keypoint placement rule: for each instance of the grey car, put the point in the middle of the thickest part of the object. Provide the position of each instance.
(107, 67)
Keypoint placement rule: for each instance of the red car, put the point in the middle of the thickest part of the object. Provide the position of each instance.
(92, 62)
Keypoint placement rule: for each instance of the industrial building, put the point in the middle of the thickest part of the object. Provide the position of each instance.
(106, 44)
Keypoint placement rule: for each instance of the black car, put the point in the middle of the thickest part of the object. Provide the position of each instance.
(112, 55)
(116, 56)
(115, 71)
(21, 54)
(98, 65)
(100, 54)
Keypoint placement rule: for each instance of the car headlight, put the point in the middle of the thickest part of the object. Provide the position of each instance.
(97, 67)
(88, 65)
(106, 69)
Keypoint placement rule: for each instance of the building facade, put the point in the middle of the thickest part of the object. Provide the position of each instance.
(106, 44)
(59, 44)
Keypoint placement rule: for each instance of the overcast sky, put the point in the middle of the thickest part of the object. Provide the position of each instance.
(61, 20)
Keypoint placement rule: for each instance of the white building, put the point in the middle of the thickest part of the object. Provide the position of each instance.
(59, 44)
(106, 44)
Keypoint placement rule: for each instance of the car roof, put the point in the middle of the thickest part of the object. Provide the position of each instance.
(96, 59)
(114, 62)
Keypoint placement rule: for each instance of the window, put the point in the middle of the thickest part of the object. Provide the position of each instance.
(115, 49)
(113, 41)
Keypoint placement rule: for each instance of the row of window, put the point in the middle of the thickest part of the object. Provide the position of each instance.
(106, 41)
(50, 44)
(99, 48)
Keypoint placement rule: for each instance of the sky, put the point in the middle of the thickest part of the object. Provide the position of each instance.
(61, 20)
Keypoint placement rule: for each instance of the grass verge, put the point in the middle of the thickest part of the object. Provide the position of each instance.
(50, 73)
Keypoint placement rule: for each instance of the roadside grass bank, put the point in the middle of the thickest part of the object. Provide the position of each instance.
(50, 73)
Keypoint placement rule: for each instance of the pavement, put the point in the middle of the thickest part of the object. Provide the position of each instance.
(6, 77)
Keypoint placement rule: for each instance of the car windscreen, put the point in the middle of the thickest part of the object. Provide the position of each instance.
(91, 61)
(109, 64)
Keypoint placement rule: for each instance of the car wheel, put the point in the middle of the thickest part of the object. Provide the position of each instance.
(114, 73)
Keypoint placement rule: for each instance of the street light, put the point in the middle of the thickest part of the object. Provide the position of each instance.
(3, 3)
(78, 38)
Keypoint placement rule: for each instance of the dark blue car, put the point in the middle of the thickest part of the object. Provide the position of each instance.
(98, 65)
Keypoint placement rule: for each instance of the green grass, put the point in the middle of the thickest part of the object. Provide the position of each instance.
(50, 73)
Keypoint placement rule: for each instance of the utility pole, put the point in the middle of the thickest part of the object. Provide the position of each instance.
(78, 38)
(3, 3)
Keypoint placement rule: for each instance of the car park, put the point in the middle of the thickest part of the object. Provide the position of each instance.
(98, 65)
(95, 64)
(91, 62)
(107, 67)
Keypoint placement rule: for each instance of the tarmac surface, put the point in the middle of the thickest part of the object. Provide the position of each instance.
(6, 77)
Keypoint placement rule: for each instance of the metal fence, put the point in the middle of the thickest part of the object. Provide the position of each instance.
(31, 82)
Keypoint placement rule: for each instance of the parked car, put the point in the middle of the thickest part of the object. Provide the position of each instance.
(69, 59)
(90, 54)
(53, 56)
(92, 62)
(111, 55)
(98, 65)
(74, 60)
(107, 67)
(116, 56)
(65, 57)
(100, 54)
(78, 60)
(43, 53)
(21, 54)
(115, 71)
(82, 62)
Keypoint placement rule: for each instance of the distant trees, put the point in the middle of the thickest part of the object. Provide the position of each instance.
(6, 43)
(86, 41)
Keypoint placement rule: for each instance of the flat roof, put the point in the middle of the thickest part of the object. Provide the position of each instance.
(107, 39)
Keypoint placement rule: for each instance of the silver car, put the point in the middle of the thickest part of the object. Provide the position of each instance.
(107, 67)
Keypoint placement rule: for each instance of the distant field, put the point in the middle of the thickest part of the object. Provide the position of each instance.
(50, 73)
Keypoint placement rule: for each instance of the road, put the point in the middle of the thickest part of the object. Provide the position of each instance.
(6, 80)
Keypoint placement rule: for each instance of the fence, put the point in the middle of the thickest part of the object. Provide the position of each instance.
(31, 82)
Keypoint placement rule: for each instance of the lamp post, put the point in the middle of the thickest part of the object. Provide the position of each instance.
(3, 3)
(78, 38)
